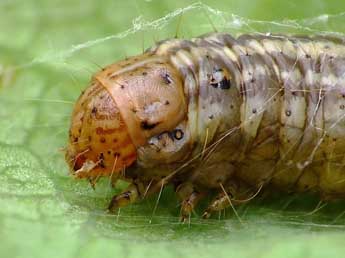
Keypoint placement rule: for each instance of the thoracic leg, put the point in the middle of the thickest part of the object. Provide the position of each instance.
(233, 193)
(131, 194)
(189, 197)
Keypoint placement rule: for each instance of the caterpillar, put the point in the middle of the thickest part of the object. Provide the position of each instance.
(216, 114)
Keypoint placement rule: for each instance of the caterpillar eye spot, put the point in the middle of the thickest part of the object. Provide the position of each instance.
(178, 134)
(147, 126)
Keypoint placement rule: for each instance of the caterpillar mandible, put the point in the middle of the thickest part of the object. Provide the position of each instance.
(216, 114)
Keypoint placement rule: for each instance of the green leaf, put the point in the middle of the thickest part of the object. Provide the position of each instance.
(48, 52)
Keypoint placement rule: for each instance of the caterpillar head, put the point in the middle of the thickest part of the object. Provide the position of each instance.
(133, 110)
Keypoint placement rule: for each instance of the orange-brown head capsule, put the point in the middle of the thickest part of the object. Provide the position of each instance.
(126, 104)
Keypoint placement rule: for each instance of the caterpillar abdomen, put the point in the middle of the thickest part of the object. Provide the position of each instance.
(232, 114)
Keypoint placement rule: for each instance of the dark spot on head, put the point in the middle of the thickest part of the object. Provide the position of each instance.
(102, 140)
(148, 126)
(178, 134)
(166, 78)
(101, 160)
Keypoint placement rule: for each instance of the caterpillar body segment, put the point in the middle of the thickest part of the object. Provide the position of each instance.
(219, 114)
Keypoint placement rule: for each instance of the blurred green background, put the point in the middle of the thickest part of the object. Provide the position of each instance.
(48, 51)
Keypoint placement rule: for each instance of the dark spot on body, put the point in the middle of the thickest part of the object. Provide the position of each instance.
(166, 78)
(252, 80)
(288, 112)
(116, 154)
(307, 56)
(90, 138)
(109, 152)
(126, 195)
(122, 86)
(148, 126)
(94, 110)
(102, 140)
(167, 102)
(178, 134)
(254, 110)
(225, 84)
(75, 139)
(144, 73)
(114, 140)
(342, 106)
(211, 117)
